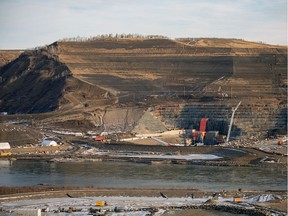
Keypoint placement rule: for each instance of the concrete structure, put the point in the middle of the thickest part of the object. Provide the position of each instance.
(4, 145)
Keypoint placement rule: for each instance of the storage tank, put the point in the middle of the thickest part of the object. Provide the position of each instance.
(4, 145)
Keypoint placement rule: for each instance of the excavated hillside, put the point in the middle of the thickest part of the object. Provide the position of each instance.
(125, 84)
(37, 82)
(161, 67)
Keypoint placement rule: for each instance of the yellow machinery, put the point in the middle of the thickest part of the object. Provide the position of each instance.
(101, 203)
(5, 153)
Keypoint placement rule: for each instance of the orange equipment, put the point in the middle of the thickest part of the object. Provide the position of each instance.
(100, 138)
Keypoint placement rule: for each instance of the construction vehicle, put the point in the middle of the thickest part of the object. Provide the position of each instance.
(198, 136)
(102, 139)
(5, 153)
(207, 138)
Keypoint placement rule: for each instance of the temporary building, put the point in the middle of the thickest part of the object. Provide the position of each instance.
(49, 143)
(4, 145)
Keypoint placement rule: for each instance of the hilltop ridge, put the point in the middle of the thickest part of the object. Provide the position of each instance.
(226, 42)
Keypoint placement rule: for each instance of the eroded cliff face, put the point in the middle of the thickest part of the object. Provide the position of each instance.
(174, 83)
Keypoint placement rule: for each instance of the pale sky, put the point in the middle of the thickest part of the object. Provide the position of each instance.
(30, 23)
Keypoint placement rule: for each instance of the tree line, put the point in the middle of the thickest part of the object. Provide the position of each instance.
(111, 36)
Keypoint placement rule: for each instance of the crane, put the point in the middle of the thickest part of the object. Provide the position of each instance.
(231, 121)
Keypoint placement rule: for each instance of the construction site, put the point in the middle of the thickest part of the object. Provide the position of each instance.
(148, 85)
(150, 100)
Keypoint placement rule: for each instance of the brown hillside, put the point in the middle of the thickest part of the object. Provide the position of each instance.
(161, 66)
(37, 82)
(110, 82)
(228, 43)
(7, 56)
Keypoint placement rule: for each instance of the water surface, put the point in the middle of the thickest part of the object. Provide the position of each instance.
(135, 175)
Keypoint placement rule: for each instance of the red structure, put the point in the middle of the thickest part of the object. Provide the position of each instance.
(203, 124)
(100, 138)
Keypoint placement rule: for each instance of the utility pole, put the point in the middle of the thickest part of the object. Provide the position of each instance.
(231, 121)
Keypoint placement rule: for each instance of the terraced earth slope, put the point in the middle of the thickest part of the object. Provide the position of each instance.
(130, 68)
(112, 82)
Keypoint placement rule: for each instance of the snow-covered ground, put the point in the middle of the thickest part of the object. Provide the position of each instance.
(145, 155)
(172, 157)
(119, 205)
(116, 205)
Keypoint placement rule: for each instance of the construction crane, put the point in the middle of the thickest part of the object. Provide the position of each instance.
(231, 121)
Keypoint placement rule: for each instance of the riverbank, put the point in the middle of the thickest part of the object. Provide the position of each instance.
(81, 151)
(49, 196)
(248, 152)
(143, 201)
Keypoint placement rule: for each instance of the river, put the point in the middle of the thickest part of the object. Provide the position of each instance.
(136, 175)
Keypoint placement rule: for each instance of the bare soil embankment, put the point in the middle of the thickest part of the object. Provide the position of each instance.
(83, 84)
